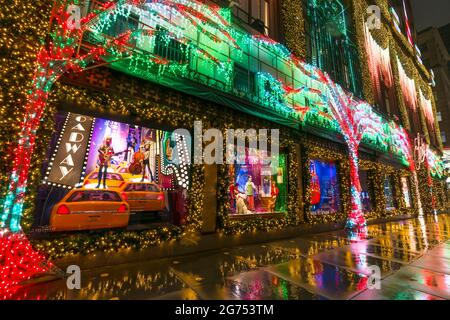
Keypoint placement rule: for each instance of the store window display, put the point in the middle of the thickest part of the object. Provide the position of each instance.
(146, 168)
(366, 191)
(406, 191)
(324, 186)
(389, 194)
(257, 186)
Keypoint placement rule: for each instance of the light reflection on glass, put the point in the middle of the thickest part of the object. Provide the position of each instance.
(423, 229)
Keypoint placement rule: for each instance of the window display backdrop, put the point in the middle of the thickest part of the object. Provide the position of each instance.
(324, 185)
(257, 187)
(147, 168)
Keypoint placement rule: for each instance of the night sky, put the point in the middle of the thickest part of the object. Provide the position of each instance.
(429, 13)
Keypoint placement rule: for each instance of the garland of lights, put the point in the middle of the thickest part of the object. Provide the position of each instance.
(292, 13)
(427, 109)
(19, 262)
(221, 28)
(408, 88)
(379, 63)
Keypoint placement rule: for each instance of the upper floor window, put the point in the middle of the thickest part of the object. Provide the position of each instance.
(259, 14)
(244, 80)
(330, 44)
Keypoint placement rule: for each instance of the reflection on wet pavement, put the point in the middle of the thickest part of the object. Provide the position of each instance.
(260, 285)
(413, 257)
(321, 278)
(391, 253)
(357, 262)
(132, 281)
(397, 292)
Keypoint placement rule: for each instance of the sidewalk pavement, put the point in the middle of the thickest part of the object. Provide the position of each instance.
(413, 256)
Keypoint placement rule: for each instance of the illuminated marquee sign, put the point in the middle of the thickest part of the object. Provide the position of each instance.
(68, 161)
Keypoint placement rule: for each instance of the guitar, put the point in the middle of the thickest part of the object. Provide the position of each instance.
(106, 157)
(135, 166)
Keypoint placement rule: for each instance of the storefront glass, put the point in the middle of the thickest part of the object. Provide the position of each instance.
(366, 200)
(258, 187)
(105, 174)
(325, 193)
(406, 192)
(389, 193)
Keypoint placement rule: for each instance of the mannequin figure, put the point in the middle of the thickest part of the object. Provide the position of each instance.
(274, 191)
(146, 162)
(233, 195)
(104, 160)
(250, 189)
(240, 204)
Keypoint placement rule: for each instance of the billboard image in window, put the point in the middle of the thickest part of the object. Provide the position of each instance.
(103, 173)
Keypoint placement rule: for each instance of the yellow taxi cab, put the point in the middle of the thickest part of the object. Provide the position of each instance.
(143, 196)
(127, 176)
(85, 209)
(113, 180)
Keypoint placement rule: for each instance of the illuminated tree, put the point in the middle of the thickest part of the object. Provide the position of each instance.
(355, 119)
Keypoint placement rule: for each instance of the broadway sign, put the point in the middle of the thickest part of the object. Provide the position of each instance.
(67, 163)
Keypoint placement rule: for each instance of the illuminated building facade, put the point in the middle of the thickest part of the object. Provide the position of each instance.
(348, 100)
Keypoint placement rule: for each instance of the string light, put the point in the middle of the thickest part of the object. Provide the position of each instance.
(408, 87)
(19, 262)
(379, 62)
(427, 108)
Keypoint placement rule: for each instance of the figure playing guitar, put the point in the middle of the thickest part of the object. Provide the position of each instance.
(105, 152)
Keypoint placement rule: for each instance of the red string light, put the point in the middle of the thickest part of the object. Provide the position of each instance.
(19, 262)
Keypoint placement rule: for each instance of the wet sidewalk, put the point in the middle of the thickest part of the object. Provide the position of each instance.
(413, 257)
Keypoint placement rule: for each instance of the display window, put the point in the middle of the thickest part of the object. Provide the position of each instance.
(366, 191)
(389, 193)
(324, 187)
(406, 191)
(258, 186)
(104, 174)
